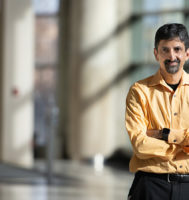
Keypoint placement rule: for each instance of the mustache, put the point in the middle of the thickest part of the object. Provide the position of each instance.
(169, 61)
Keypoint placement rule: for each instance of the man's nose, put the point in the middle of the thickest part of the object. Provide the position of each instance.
(172, 55)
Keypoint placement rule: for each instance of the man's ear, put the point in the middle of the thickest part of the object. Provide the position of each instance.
(156, 54)
(187, 54)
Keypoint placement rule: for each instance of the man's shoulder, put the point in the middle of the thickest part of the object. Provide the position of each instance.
(143, 83)
(141, 87)
(146, 81)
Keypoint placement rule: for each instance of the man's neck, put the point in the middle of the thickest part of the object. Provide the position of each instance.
(172, 78)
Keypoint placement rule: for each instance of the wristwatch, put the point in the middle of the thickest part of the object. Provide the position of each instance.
(165, 133)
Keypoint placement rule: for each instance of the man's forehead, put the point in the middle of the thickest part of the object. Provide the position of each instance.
(172, 42)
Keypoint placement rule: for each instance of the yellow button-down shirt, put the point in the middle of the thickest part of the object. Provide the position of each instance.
(152, 105)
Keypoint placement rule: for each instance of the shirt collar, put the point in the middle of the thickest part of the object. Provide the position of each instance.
(158, 79)
(185, 78)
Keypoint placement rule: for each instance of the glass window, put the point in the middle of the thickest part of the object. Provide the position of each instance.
(46, 55)
(46, 6)
(150, 16)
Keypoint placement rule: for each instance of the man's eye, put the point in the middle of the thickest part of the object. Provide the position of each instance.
(177, 49)
(165, 50)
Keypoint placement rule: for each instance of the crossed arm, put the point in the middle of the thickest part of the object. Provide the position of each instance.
(179, 137)
(149, 143)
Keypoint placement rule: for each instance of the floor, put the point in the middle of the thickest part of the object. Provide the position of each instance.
(71, 181)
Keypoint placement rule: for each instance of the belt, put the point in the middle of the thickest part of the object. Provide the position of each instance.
(181, 178)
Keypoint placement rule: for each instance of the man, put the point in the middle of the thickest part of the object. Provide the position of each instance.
(157, 121)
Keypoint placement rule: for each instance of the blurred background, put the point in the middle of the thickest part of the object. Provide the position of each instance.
(66, 68)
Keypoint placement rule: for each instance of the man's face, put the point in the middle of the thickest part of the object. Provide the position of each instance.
(171, 54)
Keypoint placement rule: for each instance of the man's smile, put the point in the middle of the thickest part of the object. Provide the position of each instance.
(171, 63)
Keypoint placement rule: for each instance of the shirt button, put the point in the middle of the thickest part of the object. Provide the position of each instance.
(180, 166)
(175, 114)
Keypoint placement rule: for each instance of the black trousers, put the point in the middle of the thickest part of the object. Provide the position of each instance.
(154, 188)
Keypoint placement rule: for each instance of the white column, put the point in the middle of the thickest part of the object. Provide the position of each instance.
(18, 65)
(99, 66)
(100, 50)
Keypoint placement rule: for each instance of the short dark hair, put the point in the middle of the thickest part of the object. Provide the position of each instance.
(170, 31)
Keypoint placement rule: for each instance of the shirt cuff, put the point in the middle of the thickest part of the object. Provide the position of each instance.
(176, 136)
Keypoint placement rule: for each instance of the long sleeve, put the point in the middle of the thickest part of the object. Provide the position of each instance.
(144, 147)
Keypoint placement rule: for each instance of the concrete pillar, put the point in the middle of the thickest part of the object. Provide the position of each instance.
(17, 83)
(99, 66)
(98, 51)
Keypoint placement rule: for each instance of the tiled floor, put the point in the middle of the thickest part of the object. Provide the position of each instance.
(73, 181)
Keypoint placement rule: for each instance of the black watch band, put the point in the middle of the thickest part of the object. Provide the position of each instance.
(165, 133)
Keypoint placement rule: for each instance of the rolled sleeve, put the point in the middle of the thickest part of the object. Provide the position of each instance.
(176, 136)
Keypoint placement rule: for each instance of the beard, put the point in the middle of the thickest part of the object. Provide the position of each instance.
(172, 69)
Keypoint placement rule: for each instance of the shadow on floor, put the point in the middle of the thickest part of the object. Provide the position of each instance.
(118, 160)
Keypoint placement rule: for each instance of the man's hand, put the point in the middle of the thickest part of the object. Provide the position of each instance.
(186, 149)
(154, 133)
